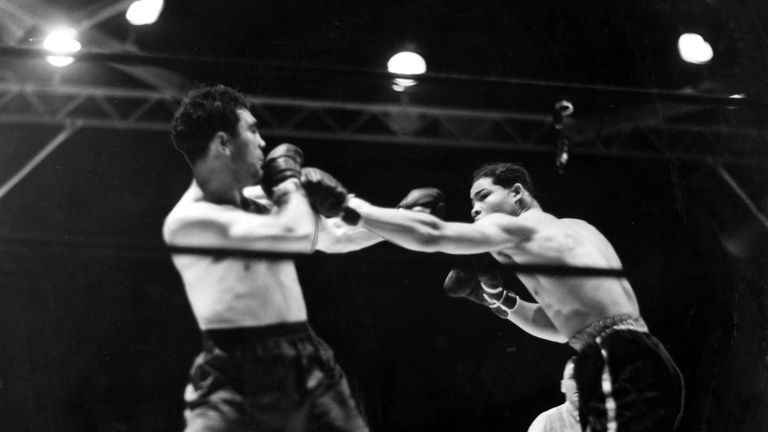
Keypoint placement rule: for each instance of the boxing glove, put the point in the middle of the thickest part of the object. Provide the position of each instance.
(281, 164)
(482, 284)
(326, 194)
(428, 199)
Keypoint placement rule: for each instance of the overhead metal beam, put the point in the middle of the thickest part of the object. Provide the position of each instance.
(93, 106)
(36, 13)
(742, 195)
(39, 157)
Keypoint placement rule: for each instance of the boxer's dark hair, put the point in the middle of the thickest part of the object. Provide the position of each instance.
(505, 174)
(203, 112)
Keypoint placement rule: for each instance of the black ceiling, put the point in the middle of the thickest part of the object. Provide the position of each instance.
(596, 42)
(622, 43)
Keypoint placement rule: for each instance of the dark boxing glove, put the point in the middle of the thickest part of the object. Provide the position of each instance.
(481, 284)
(326, 194)
(281, 164)
(428, 199)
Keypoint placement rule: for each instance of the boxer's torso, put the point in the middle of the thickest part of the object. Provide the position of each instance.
(227, 291)
(571, 302)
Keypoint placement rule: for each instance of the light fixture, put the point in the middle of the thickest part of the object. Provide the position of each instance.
(694, 49)
(406, 63)
(62, 41)
(144, 12)
(563, 109)
(736, 96)
(562, 153)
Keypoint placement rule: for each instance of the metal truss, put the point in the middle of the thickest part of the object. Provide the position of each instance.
(639, 132)
(633, 132)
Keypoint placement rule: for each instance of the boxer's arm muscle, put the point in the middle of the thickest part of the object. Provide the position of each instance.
(423, 232)
(335, 236)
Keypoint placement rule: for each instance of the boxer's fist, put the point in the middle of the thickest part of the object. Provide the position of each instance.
(281, 164)
(464, 279)
(326, 194)
(499, 299)
(428, 200)
(479, 282)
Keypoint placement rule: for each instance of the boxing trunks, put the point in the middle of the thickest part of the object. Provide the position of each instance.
(626, 379)
(274, 378)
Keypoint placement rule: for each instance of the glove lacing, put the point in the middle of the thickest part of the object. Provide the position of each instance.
(487, 291)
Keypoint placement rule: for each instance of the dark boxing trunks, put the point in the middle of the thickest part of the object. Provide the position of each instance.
(626, 379)
(273, 378)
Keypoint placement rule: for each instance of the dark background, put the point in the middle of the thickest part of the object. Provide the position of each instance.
(101, 338)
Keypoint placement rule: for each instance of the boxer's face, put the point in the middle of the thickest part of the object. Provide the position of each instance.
(488, 198)
(247, 148)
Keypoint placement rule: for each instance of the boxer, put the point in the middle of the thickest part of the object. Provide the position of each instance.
(261, 368)
(626, 379)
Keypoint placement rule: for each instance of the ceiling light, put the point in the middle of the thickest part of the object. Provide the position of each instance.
(62, 41)
(406, 63)
(736, 96)
(143, 12)
(694, 49)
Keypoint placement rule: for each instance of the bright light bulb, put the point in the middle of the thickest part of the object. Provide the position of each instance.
(407, 63)
(736, 96)
(62, 41)
(694, 49)
(405, 82)
(143, 12)
(60, 61)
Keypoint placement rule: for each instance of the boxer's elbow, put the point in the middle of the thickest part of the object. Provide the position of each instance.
(300, 234)
(546, 333)
(557, 337)
(302, 231)
(297, 226)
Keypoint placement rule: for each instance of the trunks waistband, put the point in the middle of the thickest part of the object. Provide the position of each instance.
(604, 326)
(229, 338)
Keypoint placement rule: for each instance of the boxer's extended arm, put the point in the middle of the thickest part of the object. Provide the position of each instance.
(289, 229)
(333, 235)
(336, 236)
(533, 320)
(426, 233)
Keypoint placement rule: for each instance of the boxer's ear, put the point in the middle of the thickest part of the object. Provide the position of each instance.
(221, 143)
(517, 191)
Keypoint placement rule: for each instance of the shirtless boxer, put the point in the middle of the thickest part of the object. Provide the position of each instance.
(626, 379)
(262, 368)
